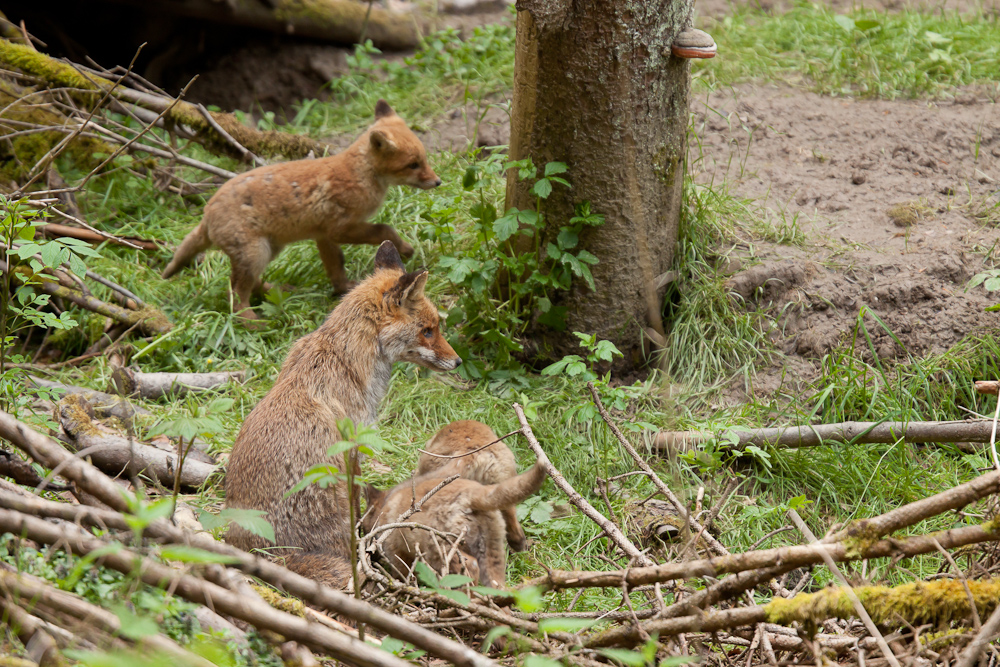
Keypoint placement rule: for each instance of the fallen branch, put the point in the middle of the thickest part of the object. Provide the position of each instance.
(150, 321)
(610, 529)
(972, 430)
(114, 454)
(105, 405)
(59, 73)
(256, 612)
(989, 632)
(54, 230)
(30, 631)
(151, 386)
(90, 479)
(22, 472)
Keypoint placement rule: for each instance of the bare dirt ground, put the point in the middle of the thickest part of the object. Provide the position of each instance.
(892, 199)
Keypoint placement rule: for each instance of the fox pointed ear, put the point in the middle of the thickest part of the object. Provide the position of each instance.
(387, 257)
(381, 142)
(409, 287)
(383, 110)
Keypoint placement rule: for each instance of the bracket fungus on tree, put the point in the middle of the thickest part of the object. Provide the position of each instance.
(693, 43)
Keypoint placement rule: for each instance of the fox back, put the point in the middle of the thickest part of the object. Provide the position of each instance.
(340, 370)
(463, 448)
(463, 508)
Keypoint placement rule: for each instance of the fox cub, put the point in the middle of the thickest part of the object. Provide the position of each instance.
(463, 508)
(340, 370)
(455, 447)
(329, 200)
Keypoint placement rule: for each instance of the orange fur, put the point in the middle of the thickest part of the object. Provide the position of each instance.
(463, 508)
(329, 200)
(491, 465)
(340, 370)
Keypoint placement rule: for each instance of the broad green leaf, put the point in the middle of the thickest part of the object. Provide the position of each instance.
(541, 661)
(495, 633)
(553, 168)
(457, 596)
(506, 226)
(132, 626)
(528, 599)
(541, 512)
(992, 284)
(188, 554)
(426, 575)
(252, 521)
(845, 22)
(567, 239)
(543, 188)
(454, 580)
(627, 658)
(866, 24)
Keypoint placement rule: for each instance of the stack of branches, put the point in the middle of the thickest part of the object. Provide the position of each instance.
(667, 608)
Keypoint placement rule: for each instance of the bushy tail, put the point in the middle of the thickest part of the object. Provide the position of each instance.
(510, 492)
(195, 242)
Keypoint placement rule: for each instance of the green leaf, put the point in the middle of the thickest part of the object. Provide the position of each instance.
(586, 257)
(454, 580)
(188, 554)
(544, 304)
(845, 22)
(506, 226)
(934, 39)
(553, 168)
(567, 239)
(132, 626)
(470, 177)
(565, 624)
(543, 188)
(77, 266)
(541, 512)
(425, 574)
(992, 284)
(866, 24)
(495, 633)
(553, 251)
(487, 591)
(457, 596)
(627, 658)
(252, 521)
(52, 254)
(528, 599)
(541, 661)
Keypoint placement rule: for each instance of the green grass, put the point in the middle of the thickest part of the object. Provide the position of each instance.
(874, 54)
(711, 341)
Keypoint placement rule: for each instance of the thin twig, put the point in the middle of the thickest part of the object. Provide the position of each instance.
(247, 154)
(458, 456)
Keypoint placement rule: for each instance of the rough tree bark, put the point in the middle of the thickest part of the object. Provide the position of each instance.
(595, 87)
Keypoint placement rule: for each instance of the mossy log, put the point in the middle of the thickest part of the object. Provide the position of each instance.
(339, 21)
(149, 320)
(115, 454)
(59, 73)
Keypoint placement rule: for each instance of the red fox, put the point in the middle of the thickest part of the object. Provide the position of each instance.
(340, 370)
(329, 200)
(454, 445)
(463, 508)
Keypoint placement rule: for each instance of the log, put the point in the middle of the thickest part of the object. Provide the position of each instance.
(59, 73)
(104, 405)
(22, 472)
(149, 320)
(814, 435)
(54, 230)
(114, 454)
(151, 386)
(338, 21)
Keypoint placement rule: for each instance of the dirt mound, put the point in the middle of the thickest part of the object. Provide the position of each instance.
(897, 203)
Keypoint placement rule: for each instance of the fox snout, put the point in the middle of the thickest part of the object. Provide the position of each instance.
(431, 181)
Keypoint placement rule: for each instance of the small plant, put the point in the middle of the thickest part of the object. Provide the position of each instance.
(504, 281)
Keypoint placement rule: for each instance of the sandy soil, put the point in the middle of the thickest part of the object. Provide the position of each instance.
(840, 168)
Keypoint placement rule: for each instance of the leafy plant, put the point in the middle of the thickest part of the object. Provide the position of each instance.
(504, 281)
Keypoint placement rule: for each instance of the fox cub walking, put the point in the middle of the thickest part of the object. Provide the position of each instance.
(329, 200)
(461, 449)
(464, 508)
(340, 370)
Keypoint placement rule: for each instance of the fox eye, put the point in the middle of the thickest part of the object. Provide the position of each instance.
(414, 165)
(428, 333)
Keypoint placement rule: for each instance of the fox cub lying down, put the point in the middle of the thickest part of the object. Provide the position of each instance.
(478, 508)
(329, 200)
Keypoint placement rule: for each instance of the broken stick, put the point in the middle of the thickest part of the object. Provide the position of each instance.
(151, 386)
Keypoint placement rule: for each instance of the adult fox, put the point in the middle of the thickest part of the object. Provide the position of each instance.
(329, 200)
(340, 370)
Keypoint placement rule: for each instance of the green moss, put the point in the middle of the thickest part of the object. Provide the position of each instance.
(73, 412)
(861, 535)
(938, 602)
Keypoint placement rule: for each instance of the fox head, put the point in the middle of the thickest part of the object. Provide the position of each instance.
(397, 154)
(411, 331)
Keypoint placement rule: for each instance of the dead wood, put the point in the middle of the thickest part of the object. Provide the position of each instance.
(93, 481)
(193, 589)
(338, 21)
(29, 591)
(54, 230)
(115, 454)
(151, 386)
(104, 405)
(30, 631)
(150, 321)
(62, 74)
(989, 632)
(972, 430)
(22, 472)
(613, 532)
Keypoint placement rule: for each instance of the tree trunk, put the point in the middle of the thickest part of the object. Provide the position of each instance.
(595, 87)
